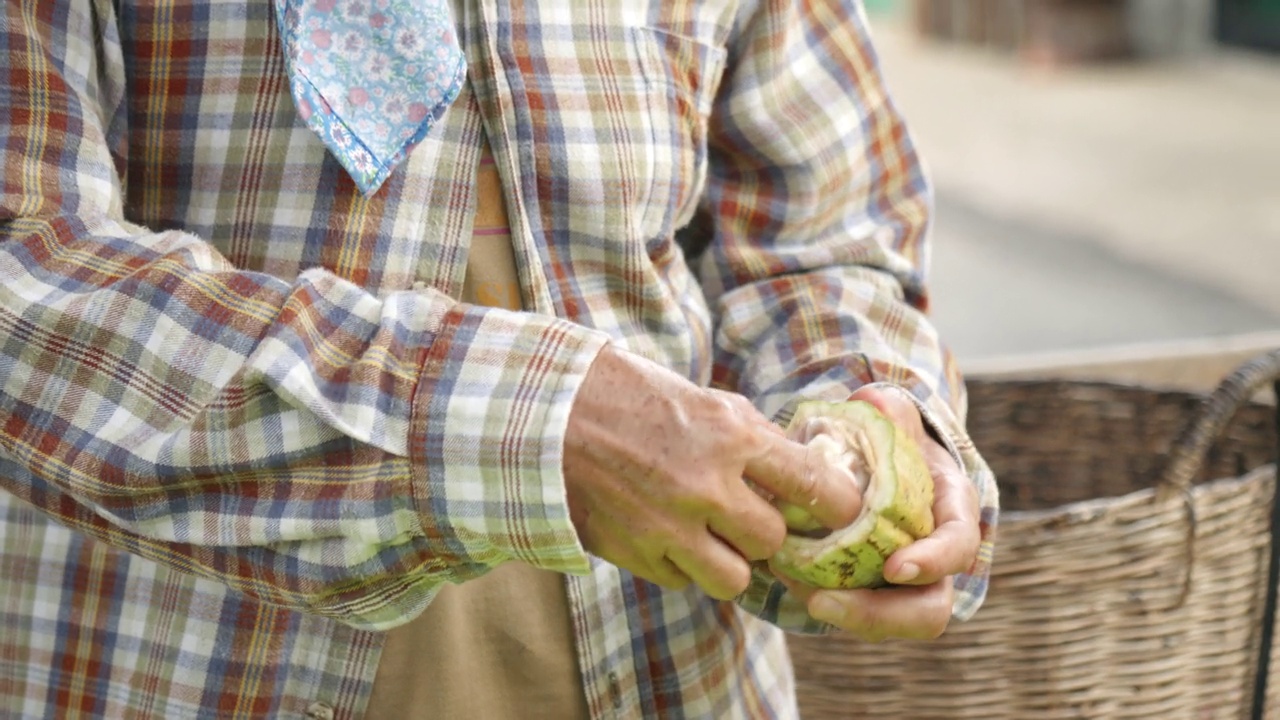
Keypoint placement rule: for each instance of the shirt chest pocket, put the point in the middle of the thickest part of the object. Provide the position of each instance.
(681, 76)
(619, 123)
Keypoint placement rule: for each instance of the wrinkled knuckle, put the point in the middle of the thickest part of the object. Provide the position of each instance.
(732, 415)
(732, 399)
(809, 473)
(742, 406)
(973, 547)
(718, 392)
(723, 409)
(970, 540)
(717, 499)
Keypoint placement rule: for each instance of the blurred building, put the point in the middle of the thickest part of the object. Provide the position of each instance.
(1074, 31)
(1125, 197)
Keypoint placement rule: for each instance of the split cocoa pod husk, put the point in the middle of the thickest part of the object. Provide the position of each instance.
(897, 496)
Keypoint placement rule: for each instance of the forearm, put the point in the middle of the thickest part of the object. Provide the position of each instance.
(159, 398)
(230, 423)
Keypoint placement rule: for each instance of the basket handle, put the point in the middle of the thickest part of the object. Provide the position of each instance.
(1193, 443)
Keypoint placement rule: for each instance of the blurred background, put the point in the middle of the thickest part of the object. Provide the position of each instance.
(1107, 171)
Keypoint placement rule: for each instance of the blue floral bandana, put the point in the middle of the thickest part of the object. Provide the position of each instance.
(371, 77)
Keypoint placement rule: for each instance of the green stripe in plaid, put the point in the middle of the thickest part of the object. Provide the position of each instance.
(244, 424)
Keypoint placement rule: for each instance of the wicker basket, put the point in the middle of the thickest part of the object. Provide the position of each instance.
(1131, 569)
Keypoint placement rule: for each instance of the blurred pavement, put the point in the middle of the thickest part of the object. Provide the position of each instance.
(1099, 206)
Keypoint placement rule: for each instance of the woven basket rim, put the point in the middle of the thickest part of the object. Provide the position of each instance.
(1101, 383)
(1090, 509)
(1262, 398)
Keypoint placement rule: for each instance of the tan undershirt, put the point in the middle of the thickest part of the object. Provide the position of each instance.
(499, 646)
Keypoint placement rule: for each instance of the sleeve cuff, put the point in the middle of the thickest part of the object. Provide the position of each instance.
(490, 415)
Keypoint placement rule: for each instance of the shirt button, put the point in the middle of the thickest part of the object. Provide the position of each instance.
(319, 711)
(615, 691)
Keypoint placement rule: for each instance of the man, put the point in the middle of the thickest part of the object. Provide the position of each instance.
(352, 367)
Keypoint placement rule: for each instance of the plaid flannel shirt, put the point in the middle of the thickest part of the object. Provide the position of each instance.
(245, 425)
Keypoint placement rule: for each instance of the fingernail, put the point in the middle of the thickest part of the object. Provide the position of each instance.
(825, 608)
(907, 573)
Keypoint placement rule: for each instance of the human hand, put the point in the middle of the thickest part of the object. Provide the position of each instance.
(918, 605)
(654, 469)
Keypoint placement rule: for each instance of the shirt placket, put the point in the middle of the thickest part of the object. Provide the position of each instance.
(501, 105)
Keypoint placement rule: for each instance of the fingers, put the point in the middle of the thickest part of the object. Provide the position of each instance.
(716, 568)
(896, 406)
(667, 574)
(750, 525)
(794, 474)
(919, 606)
(915, 613)
(609, 544)
(953, 545)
